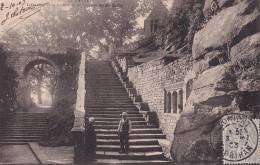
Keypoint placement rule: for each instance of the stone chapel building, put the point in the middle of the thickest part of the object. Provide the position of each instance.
(152, 22)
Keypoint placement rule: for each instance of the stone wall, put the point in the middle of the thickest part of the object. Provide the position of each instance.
(152, 79)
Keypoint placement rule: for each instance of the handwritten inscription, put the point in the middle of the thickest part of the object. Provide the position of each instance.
(16, 13)
(3, 6)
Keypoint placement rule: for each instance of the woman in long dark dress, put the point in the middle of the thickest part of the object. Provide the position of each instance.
(90, 140)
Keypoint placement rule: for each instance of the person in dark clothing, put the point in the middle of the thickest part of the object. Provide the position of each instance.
(90, 141)
(124, 129)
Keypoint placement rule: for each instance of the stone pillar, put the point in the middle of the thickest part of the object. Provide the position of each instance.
(174, 102)
(79, 113)
(180, 101)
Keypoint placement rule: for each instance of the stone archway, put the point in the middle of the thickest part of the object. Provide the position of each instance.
(22, 63)
(30, 62)
(42, 75)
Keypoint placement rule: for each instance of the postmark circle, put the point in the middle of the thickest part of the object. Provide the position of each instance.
(239, 137)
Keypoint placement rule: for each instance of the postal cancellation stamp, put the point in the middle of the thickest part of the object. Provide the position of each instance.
(240, 139)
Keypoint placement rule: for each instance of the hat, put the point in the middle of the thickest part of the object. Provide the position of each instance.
(91, 119)
(124, 114)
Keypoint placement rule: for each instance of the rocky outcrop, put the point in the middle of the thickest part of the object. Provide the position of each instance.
(227, 28)
(227, 54)
(246, 60)
(211, 6)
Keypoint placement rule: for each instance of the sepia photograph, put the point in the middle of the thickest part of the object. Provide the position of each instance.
(129, 82)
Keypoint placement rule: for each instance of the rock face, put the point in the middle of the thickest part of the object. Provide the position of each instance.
(210, 5)
(227, 50)
(228, 27)
(246, 58)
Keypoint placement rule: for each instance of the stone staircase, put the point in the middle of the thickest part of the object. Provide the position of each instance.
(106, 99)
(22, 127)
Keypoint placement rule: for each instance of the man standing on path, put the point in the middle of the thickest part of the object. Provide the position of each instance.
(124, 129)
(90, 141)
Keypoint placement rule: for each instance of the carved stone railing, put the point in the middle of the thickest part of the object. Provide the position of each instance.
(79, 113)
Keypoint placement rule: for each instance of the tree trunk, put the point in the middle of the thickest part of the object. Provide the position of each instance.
(39, 92)
(39, 84)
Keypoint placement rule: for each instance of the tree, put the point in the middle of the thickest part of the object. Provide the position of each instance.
(40, 76)
(81, 27)
(8, 85)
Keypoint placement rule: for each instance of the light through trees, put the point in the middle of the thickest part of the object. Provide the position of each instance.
(43, 81)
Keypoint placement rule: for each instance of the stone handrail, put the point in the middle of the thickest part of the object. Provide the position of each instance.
(79, 113)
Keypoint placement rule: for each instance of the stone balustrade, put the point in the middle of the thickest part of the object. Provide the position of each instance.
(79, 113)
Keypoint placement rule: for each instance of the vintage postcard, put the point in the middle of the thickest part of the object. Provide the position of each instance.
(129, 82)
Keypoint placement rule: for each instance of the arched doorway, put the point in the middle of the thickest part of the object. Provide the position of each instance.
(42, 76)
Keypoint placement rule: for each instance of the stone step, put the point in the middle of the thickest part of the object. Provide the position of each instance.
(22, 127)
(133, 148)
(131, 142)
(14, 134)
(116, 122)
(108, 96)
(98, 83)
(132, 136)
(17, 123)
(21, 130)
(19, 137)
(104, 89)
(98, 86)
(14, 141)
(91, 112)
(134, 131)
(118, 119)
(115, 108)
(28, 120)
(107, 101)
(105, 83)
(110, 106)
(121, 91)
(111, 115)
(115, 126)
(130, 155)
(29, 116)
(132, 162)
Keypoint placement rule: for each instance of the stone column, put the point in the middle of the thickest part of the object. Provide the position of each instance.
(79, 113)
